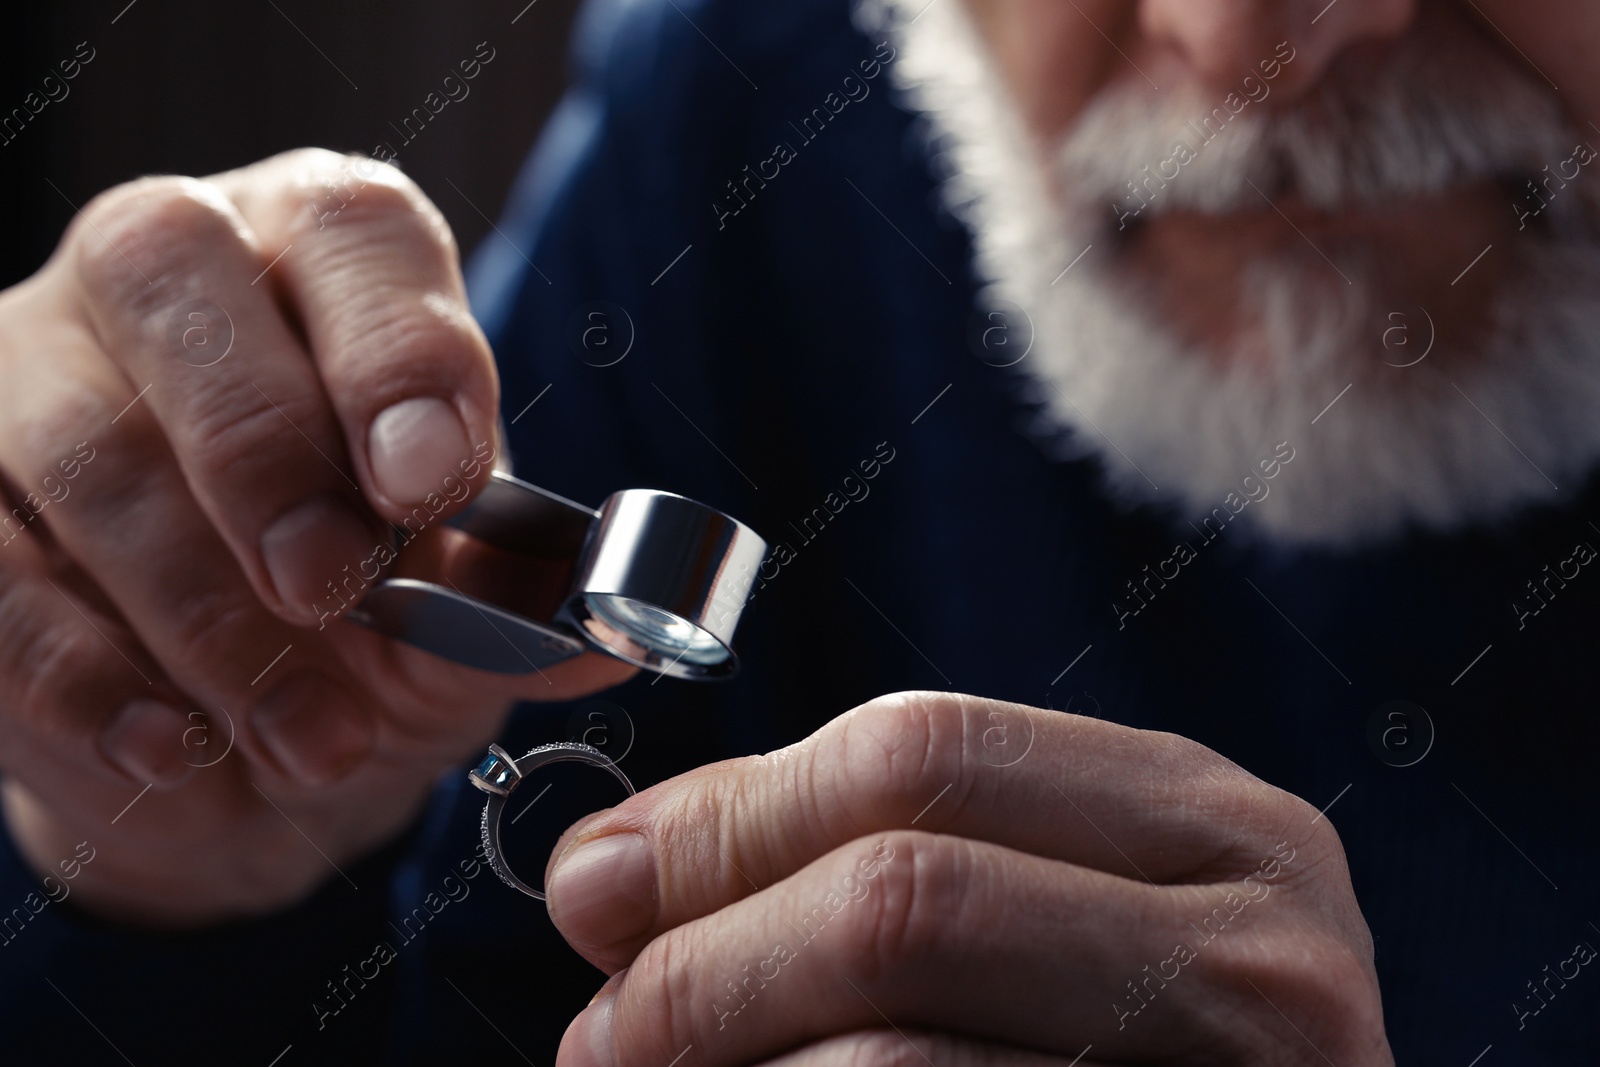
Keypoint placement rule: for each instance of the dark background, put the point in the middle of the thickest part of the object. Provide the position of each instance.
(194, 87)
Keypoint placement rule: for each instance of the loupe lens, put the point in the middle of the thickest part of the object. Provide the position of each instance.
(659, 632)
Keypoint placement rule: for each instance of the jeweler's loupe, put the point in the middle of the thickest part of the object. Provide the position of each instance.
(523, 579)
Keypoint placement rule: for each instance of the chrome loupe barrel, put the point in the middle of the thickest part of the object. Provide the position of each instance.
(662, 581)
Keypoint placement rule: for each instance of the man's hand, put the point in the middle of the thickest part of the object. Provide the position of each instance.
(945, 879)
(214, 399)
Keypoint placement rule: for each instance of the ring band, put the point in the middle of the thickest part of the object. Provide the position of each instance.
(499, 775)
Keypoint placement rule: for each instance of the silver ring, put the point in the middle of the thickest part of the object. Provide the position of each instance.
(499, 775)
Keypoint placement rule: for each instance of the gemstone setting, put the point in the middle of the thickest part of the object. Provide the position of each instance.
(497, 774)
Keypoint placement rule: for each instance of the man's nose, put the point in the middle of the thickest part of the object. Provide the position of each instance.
(1222, 40)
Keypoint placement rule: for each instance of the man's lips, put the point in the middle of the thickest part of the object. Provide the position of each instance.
(1275, 218)
(1409, 252)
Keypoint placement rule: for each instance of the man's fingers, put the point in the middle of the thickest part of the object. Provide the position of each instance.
(124, 514)
(372, 269)
(916, 1048)
(75, 681)
(1146, 807)
(170, 277)
(888, 927)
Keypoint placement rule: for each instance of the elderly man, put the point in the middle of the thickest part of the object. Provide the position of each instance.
(1207, 387)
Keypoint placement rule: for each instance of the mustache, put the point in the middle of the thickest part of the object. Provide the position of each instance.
(1413, 122)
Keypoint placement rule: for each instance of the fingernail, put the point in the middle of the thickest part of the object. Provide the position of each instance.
(144, 740)
(603, 891)
(313, 728)
(587, 1042)
(320, 541)
(414, 446)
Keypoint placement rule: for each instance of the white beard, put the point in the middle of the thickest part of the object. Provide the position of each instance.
(1403, 447)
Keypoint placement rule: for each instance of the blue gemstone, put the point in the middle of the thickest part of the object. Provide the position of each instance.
(495, 771)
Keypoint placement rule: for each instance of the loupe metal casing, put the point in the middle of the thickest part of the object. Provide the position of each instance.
(523, 579)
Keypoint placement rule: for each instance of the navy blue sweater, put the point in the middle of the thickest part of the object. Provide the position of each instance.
(787, 300)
